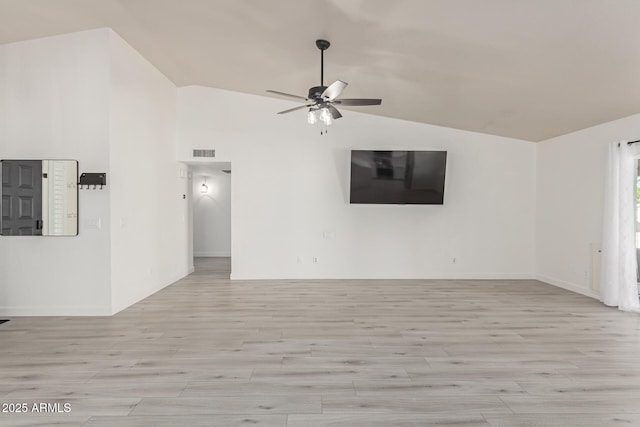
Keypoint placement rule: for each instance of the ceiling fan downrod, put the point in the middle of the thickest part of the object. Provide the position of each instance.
(322, 45)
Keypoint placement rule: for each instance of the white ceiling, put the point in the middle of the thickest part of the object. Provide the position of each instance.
(530, 69)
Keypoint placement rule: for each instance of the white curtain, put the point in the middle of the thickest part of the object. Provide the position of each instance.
(618, 273)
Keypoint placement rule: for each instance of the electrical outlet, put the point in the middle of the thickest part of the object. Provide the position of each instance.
(93, 223)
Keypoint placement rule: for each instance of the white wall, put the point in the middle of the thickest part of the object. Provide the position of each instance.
(149, 231)
(571, 174)
(54, 95)
(290, 189)
(89, 96)
(212, 215)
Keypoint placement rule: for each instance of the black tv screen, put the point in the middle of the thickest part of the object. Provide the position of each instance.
(398, 177)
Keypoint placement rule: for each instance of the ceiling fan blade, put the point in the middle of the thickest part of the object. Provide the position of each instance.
(334, 90)
(335, 114)
(288, 95)
(296, 108)
(357, 101)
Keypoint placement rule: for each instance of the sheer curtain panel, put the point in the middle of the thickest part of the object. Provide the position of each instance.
(618, 273)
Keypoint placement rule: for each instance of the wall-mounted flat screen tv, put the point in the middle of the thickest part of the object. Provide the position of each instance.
(398, 177)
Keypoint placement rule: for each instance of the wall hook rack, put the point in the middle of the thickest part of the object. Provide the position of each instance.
(89, 179)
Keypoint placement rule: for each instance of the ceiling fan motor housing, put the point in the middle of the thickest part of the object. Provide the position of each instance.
(315, 93)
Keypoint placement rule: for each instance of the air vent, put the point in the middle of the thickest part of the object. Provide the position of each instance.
(204, 153)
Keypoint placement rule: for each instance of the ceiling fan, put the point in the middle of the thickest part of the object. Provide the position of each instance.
(321, 100)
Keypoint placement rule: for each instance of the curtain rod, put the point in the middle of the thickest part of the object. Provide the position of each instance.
(632, 142)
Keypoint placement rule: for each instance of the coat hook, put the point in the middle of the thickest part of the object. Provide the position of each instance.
(92, 179)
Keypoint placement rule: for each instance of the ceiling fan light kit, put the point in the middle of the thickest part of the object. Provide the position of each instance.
(324, 98)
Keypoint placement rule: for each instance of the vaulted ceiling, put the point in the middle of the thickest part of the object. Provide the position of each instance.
(530, 69)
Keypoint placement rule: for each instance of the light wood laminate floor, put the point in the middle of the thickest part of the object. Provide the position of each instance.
(209, 352)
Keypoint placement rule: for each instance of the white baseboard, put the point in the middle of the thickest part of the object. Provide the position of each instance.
(214, 254)
(58, 311)
(568, 286)
(467, 276)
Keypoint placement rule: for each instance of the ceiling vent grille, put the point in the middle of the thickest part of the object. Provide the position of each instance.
(204, 153)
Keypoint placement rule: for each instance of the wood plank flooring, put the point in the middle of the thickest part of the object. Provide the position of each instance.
(209, 352)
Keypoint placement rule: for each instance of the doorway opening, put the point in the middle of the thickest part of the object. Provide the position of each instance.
(211, 218)
(637, 222)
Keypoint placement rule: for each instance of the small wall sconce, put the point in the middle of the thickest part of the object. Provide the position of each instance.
(204, 188)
